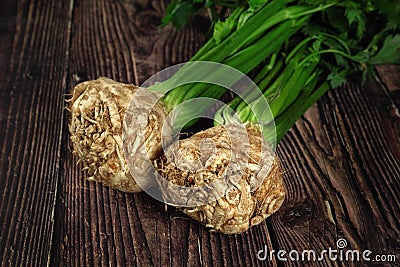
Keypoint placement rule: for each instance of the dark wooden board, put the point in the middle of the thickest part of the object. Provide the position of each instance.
(34, 43)
(342, 175)
(341, 159)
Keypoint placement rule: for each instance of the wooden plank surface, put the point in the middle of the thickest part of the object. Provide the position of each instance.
(343, 175)
(33, 52)
(341, 159)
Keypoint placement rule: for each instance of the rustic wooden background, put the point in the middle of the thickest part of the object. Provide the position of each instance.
(341, 160)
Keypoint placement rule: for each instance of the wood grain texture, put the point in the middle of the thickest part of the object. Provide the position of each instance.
(342, 176)
(341, 159)
(34, 44)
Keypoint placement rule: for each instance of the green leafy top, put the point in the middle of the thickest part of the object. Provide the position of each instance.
(180, 12)
(366, 31)
(329, 42)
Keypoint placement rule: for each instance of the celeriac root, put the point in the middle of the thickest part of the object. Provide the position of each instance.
(251, 185)
(97, 112)
(254, 187)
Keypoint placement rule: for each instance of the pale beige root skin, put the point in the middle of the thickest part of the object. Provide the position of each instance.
(240, 207)
(97, 112)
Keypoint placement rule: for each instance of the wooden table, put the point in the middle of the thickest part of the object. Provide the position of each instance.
(341, 160)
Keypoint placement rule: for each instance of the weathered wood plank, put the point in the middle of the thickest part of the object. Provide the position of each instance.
(33, 58)
(387, 97)
(343, 176)
(389, 74)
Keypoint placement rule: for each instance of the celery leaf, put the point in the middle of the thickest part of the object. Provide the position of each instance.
(336, 79)
(389, 53)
